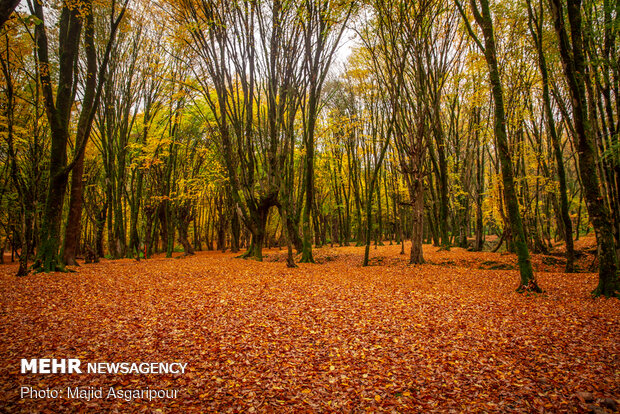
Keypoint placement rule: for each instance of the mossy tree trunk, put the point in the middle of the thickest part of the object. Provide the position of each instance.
(58, 110)
(535, 22)
(573, 61)
(482, 15)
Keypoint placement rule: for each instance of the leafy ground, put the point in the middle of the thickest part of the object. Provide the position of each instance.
(449, 336)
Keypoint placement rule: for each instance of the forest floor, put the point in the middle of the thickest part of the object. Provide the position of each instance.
(447, 336)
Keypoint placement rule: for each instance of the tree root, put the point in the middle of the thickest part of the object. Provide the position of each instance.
(40, 266)
(531, 287)
(248, 255)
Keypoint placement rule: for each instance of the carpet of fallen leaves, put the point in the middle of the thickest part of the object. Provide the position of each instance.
(447, 336)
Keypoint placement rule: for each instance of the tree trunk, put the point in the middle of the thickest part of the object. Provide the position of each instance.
(74, 219)
(416, 255)
(290, 260)
(6, 8)
(236, 231)
(479, 191)
(567, 225)
(100, 225)
(484, 20)
(183, 217)
(306, 251)
(259, 218)
(58, 113)
(573, 61)
(443, 187)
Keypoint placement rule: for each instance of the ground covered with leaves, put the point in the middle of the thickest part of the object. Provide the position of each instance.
(448, 336)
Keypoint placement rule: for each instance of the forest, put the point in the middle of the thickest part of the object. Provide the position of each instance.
(133, 128)
(318, 205)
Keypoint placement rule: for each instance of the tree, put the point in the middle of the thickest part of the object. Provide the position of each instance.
(248, 64)
(482, 16)
(323, 24)
(21, 163)
(58, 109)
(575, 71)
(95, 76)
(535, 22)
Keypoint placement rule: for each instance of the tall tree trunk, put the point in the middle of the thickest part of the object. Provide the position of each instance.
(58, 113)
(536, 29)
(479, 189)
(74, 222)
(442, 177)
(235, 228)
(306, 252)
(573, 61)
(100, 225)
(92, 95)
(484, 20)
(169, 229)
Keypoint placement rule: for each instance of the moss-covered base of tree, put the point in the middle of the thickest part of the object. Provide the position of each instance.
(254, 252)
(47, 259)
(607, 288)
(248, 255)
(608, 294)
(306, 256)
(41, 267)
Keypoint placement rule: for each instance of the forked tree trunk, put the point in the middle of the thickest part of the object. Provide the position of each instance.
(259, 218)
(58, 109)
(92, 94)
